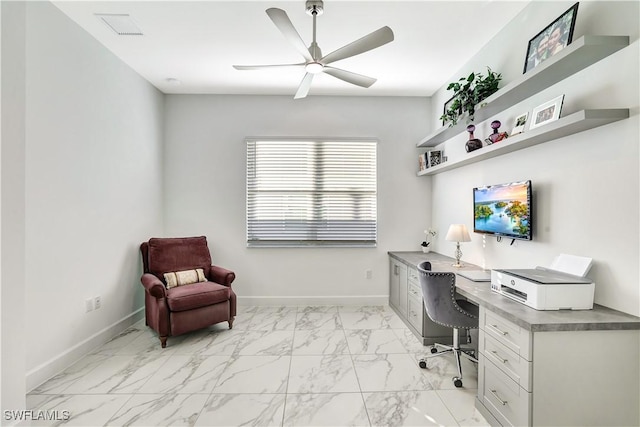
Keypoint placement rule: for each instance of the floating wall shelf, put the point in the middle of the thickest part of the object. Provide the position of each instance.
(580, 54)
(569, 125)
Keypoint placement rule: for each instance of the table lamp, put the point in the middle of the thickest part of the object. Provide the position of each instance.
(458, 233)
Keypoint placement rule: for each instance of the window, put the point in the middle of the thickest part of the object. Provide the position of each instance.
(311, 192)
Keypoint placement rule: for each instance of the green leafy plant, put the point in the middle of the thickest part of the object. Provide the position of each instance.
(468, 92)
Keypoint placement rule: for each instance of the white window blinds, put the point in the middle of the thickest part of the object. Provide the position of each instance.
(310, 192)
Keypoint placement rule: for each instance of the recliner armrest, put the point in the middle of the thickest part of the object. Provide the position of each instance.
(221, 275)
(153, 285)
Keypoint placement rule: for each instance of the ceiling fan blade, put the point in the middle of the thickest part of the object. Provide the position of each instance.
(349, 77)
(282, 21)
(304, 87)
(262, 67)
(373, 40)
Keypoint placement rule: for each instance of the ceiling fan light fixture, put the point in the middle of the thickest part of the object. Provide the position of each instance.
(314, 67)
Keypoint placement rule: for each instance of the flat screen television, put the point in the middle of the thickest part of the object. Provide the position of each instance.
(503, 210)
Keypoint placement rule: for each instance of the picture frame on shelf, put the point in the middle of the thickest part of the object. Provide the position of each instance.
(551, 40)
(447, 104)
(547, 112)
(435, 158)
(520, 123)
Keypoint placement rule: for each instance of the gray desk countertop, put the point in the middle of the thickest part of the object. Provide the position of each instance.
(600, 318)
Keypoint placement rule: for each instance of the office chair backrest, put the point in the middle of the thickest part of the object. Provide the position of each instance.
(439, 295)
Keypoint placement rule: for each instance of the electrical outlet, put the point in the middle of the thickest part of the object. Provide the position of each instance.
(97, 302)
(368, 274)
(88, 305)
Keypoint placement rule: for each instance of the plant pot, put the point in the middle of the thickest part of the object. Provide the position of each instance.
(426, 249)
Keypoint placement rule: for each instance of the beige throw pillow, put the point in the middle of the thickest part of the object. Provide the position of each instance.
(187, 277)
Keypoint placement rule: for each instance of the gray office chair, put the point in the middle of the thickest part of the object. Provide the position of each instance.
(441, 305)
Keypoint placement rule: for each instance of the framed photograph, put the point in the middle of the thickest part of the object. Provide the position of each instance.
(435, 158)
(446, 107)
(546, 113)
(555, 37)
(520, 122)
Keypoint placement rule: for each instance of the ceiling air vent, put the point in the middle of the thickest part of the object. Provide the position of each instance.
(122, 24)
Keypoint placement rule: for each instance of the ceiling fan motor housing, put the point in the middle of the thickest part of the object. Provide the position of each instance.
(314, 7)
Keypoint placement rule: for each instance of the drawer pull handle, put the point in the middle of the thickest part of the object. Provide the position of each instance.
(499, 330)
(500, 358)
(504, 402)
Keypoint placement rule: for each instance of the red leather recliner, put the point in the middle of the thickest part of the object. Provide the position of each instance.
(189, 307)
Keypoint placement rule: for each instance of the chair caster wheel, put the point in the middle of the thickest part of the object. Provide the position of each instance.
(457, 382)
(422, 363)
(434, 350)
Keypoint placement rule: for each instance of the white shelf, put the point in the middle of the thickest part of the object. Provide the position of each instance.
(569, 125)
(580, 54)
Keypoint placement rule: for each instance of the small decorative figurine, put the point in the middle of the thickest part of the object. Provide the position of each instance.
(496, 136)
(473, 143)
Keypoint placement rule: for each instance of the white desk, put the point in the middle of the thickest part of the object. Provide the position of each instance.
(537, 368)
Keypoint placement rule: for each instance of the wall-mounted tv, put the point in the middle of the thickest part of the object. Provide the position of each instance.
(503, 210)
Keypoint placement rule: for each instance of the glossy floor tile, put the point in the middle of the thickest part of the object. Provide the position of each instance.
(278, 366)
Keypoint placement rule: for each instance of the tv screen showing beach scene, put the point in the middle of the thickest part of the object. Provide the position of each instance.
(503, 210)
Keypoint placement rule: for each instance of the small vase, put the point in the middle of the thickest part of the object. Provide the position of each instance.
(473, 143)
(426, 249)
(495, 125)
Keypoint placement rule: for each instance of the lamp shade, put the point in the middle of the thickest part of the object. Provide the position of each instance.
(458, 233)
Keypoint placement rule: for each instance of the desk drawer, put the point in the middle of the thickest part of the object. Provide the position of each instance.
(413, 276)
(415, 291)
(507, 333)
(517, 368)
(509, 403)
(414, 314)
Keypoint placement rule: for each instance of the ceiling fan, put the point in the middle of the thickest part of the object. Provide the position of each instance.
(314, 61)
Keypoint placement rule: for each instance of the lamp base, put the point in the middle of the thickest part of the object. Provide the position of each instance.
(458, 255)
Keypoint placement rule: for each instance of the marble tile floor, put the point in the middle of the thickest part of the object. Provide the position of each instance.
(278, 366)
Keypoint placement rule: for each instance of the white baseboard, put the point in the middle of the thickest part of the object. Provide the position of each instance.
(313, 300)
(57, 364)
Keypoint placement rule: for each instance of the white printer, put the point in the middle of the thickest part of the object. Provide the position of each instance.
(562, 286)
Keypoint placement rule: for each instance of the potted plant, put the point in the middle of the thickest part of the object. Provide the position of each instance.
(426, 243)
(468, 92)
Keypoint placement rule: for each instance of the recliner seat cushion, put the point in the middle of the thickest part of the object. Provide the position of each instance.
(196, 295)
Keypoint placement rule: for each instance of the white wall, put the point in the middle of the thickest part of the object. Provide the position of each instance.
(93, 189)
(205, 189)
(13, 205)
(586, 186)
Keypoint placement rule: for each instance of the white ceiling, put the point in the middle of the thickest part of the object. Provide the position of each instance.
(197, 42)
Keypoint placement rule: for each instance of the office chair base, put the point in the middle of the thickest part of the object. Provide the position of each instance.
(469, 354)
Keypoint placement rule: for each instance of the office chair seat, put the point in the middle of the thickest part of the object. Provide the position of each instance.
(442, 306)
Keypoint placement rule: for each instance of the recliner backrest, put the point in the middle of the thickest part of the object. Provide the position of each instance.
(163, 255)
